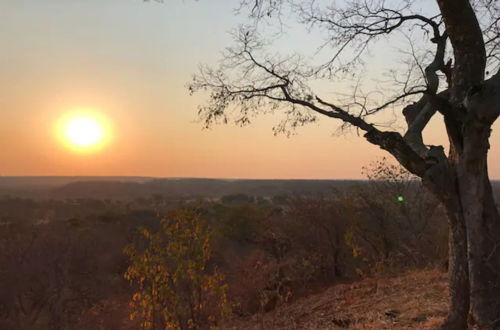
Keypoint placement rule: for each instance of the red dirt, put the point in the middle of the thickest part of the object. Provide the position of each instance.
(413, 300)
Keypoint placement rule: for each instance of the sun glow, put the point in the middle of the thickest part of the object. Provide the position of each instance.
(83, 132)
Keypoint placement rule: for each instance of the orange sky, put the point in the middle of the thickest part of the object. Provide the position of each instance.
(130, 62)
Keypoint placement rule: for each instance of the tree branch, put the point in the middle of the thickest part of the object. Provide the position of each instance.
(419, 114)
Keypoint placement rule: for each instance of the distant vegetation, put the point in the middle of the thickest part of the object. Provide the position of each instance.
(133, 188)
(258, 244)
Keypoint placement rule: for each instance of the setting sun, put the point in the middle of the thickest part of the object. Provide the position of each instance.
(84, 132)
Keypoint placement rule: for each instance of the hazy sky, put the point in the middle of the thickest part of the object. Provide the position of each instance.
(130, 61)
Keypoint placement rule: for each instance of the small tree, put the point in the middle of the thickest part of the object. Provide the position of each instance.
(394, 222)
(176, 287)
(317, 225)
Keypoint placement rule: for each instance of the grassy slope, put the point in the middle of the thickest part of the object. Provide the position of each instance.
(413, 300)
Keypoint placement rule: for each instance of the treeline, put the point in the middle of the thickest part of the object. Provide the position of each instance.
(63, 264)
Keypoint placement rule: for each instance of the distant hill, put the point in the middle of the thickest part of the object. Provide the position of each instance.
(145, 187)
(47, 181)
(136, 187)
(40, 186)
(195, 188)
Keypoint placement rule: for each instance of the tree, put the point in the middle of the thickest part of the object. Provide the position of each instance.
(462, 84)
(176, 286)
(60, 274)
(316, 225)
(392, 230)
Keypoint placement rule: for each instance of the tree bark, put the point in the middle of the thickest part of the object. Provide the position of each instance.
(458, 270)
(483, 227)
(470, 122)
(442, 180)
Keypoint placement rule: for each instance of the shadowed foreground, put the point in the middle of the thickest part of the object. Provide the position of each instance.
(414, 300)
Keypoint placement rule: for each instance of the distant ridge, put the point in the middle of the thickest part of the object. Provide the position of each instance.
(15, 181)
(127, 188)
(195, 188)
(137, 187)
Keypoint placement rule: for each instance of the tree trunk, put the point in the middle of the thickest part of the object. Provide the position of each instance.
(445, 186)
(475, 109)
(484, 260)
(483, 228)
(458, 271)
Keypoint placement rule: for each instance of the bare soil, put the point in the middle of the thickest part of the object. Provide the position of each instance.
(413, 300)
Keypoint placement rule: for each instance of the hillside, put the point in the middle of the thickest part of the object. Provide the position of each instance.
(413, 300)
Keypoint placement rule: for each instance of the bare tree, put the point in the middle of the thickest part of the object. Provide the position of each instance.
(457, 83)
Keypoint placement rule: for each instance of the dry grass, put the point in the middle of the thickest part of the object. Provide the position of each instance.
(414, 300)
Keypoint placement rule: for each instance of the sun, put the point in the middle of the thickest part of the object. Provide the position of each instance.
(83, 131)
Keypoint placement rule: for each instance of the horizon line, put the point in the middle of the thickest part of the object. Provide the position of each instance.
(186, 177)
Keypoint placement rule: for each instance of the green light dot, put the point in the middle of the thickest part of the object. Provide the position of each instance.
(400, 198)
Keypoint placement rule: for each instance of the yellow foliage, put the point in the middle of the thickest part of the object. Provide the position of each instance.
(174, 283)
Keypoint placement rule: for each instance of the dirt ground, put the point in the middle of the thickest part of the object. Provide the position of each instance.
(413, 300)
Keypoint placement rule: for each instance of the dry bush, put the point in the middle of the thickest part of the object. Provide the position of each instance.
(315, 226)
(52, 274)
(175, 285)
(399, 225)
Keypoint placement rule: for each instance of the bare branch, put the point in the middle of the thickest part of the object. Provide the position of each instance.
(251, 81)
(419, 114)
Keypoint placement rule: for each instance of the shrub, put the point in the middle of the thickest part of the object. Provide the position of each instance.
(176, 287)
